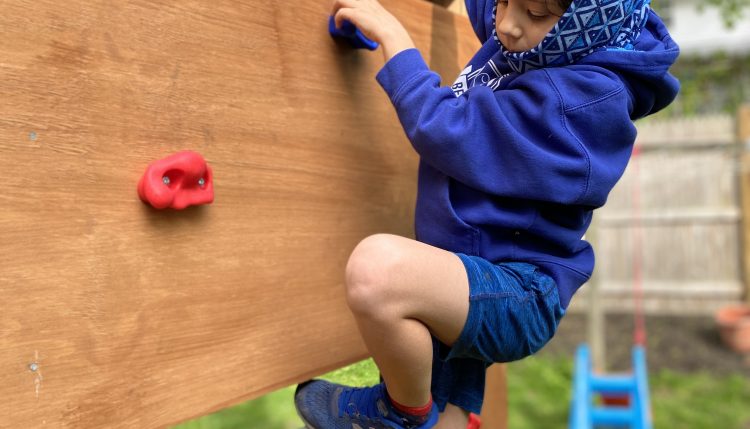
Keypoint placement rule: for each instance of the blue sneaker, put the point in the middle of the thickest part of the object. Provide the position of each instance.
(324, 405)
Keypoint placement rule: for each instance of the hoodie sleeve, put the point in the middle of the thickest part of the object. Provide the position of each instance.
(480, 15)
(516, 142)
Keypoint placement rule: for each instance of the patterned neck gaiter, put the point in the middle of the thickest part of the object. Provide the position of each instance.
(587, 26)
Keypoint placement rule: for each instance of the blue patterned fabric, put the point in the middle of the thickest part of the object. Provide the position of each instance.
(587, 26)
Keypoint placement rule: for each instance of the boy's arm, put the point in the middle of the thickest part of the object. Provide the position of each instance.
(520, 141)
(375, 23)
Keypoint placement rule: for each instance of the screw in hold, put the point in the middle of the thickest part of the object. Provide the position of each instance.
(34, 366)
(202, 182)
(166, 180)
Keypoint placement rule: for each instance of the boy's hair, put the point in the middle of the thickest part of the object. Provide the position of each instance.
(563, 5)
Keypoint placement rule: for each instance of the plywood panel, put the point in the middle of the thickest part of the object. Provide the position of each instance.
(116, 315)
(495, 408)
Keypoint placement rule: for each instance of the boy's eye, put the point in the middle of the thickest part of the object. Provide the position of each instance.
(537, 15)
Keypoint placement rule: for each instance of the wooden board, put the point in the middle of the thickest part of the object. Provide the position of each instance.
(495, 408)
(116, 315)
(743, 137)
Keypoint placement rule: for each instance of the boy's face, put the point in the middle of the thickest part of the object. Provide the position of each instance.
(523, 24)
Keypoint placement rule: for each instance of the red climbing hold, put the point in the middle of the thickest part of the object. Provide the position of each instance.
(178, 181)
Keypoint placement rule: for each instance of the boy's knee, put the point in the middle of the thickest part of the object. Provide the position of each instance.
(369, 273)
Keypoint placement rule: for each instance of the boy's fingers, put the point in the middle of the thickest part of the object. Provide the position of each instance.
(340, 4)
(344, 14)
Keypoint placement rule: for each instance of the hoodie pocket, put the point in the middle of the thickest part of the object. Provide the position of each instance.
(437, 223)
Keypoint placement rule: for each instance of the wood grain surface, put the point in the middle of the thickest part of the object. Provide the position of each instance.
(743, 139)
(117, 315)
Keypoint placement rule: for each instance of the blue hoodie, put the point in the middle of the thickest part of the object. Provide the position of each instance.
(512, 169)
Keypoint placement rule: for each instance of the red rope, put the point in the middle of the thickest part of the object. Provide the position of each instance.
(639, 334)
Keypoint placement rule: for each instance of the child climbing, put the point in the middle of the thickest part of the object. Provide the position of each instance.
(514, 158)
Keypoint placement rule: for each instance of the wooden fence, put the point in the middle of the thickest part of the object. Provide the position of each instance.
(676, 218)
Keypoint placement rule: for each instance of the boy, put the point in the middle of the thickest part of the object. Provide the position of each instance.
(514, 158)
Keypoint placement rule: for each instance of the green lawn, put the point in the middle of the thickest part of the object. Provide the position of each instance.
(539, 395)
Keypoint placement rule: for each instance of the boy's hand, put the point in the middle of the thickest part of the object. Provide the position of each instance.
(375, 23)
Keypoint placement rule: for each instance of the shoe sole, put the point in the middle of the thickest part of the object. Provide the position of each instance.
(307, 425)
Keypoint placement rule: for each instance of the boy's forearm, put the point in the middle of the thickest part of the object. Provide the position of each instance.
(397, 42)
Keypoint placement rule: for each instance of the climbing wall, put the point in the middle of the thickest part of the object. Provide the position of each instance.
(117, 315)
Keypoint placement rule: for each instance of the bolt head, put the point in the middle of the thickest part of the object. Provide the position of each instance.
(202, 182)
(34, 366)
(166, 180)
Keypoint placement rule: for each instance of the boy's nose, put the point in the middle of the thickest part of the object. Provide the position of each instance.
(509, 26)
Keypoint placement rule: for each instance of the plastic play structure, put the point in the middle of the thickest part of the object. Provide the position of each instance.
(632, 411)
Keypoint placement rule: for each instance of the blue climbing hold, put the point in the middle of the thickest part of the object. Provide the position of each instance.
(352, 34)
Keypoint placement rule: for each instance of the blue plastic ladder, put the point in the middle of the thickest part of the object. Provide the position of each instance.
(584, 414)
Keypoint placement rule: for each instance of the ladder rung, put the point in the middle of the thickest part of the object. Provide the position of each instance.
(612, 416)
(612, 384)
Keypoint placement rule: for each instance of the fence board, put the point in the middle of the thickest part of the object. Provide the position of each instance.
(743, 134)
(688, 216)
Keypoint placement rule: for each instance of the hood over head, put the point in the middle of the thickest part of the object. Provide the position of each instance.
(586, 27)
(624, 36)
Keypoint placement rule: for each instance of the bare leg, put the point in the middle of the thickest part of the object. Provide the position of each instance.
(401, 291)
(453, 418)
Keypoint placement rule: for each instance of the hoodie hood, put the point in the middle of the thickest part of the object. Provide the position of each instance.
(642, 63)
(586, 27)
(645, 68)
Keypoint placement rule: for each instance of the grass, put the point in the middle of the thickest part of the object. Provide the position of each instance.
(539, 395)
(701, 401)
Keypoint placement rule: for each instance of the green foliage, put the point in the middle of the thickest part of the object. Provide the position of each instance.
(712, 83)
(731, 10)
(718, 83)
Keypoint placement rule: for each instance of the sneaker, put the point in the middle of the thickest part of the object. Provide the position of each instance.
(324, 405)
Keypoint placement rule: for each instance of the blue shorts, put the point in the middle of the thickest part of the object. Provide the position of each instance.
(514, 310)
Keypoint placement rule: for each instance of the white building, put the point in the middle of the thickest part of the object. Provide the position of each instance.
(699, 28)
